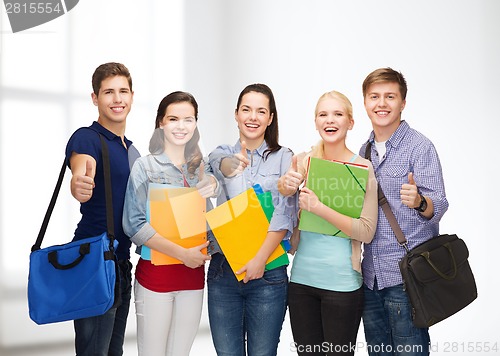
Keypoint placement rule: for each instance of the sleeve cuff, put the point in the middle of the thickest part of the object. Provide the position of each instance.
(143, 235)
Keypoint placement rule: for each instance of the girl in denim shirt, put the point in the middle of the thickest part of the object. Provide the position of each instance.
(252, 311)
(168, 298)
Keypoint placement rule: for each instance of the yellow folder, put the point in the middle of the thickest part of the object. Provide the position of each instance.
(240, 227)
(177, 214)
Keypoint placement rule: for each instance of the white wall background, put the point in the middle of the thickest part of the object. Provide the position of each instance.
(449, 51)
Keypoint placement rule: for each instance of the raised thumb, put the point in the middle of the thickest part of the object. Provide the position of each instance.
(244, 149)
(410, 179)
(88, 168)
(201, 173)
(294, 163)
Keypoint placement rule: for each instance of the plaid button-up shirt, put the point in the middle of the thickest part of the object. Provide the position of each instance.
(407, 151)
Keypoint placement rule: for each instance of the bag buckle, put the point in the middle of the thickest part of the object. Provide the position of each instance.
(405, 246)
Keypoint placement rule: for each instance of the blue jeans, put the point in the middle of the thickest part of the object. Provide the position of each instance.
(389, 329)
(254, 310)
(103, 335)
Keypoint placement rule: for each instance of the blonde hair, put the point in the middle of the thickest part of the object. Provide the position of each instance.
(318, 150)
(339, 96)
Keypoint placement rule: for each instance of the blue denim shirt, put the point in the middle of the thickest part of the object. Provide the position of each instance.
(407, 151)
(265, 172)
(152, 169)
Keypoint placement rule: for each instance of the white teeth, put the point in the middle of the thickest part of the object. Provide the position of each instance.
(117, 109)
(252, 126)
(330, 129)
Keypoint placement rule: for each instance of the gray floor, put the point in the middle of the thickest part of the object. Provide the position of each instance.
(202, 346)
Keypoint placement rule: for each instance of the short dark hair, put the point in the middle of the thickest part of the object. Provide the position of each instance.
(107, 70)
(386, 75)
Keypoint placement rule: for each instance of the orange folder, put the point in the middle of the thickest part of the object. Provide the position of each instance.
(240, 227)
(178, 214)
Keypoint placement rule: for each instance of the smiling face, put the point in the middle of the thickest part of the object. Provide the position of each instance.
(384, 105)
(253, 117)
(114, 101)
(178, 124)
(333, 119)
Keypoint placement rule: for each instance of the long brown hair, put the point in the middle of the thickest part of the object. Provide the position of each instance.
(192, 152)
(271, 135)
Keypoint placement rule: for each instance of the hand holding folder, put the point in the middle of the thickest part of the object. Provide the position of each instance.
(240, 226)
(177, 214)
(340, 186)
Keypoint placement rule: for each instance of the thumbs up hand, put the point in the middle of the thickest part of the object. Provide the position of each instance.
(206, 185)
(236, 164)
(292, 178)
(82, 185)
(409, 193)
(240, 160)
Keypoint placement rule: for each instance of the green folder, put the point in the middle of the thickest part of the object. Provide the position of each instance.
(266, 201)
(340, 186)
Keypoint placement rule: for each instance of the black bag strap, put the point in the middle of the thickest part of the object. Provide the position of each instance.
(110, 221)
(108, 194)
(386, 208)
